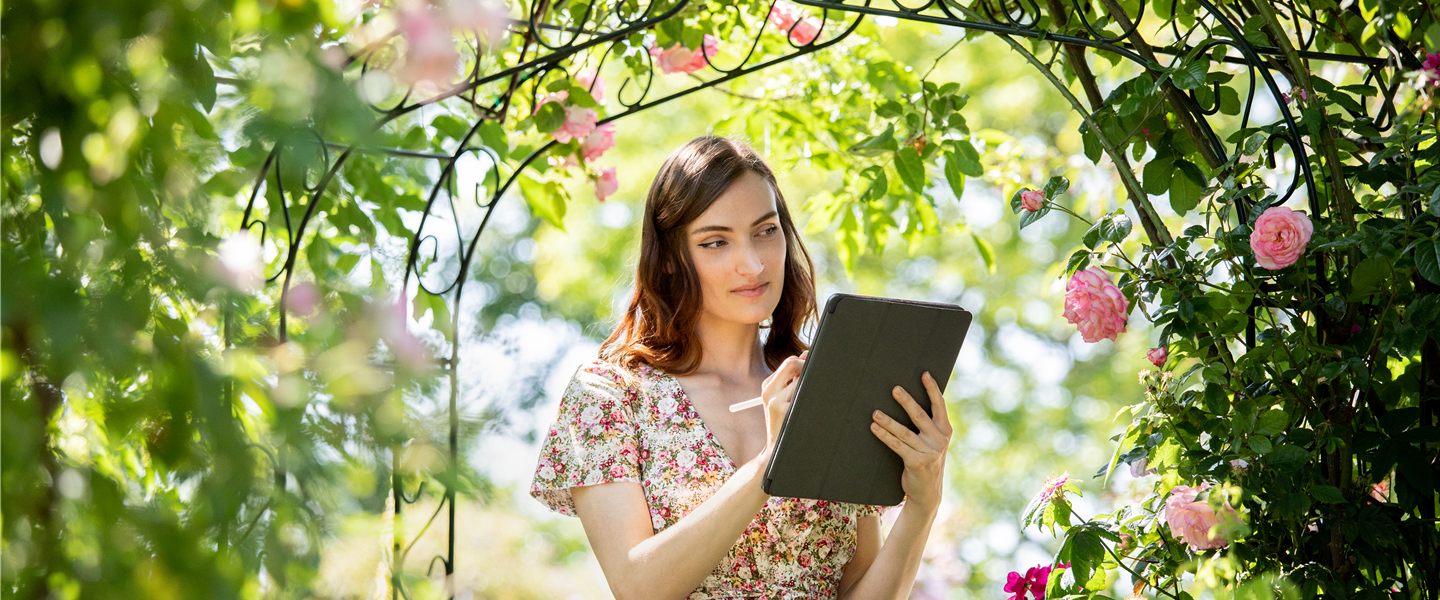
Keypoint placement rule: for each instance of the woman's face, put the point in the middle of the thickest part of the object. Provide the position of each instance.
(738, 249)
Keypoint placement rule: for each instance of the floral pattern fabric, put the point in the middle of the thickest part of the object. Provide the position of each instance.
(646, 430)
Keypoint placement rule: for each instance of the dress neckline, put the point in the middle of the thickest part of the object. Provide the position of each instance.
(690, 406)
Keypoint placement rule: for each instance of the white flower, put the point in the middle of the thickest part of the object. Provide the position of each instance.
(592, 478)
(547, 473)
(666, 406)
(590, 415)
(685, 459)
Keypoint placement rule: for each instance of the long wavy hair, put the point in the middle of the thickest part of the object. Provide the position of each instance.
(658, 328)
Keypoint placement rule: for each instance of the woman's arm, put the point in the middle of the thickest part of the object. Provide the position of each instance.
(639, 563)
(892, 573)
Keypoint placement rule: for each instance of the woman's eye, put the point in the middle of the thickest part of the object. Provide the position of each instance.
(714, 244)
(770, 230)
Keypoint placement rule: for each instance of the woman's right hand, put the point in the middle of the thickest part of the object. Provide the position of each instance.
(777, 392)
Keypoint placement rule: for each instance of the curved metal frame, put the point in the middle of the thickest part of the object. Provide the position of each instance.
(548, 44)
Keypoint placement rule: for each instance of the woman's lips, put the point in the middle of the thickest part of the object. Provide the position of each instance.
(754, 292)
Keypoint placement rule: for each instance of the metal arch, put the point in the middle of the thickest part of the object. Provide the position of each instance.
(547, 45)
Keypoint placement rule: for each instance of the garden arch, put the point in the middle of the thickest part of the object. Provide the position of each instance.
(556, 36)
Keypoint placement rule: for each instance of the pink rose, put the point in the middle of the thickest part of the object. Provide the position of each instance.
(1280, 236)
(430, 50)
(1381, 491)
(1095, 306)
(679, 59)
(599, 140)
(1138, 468)
(579, 122)
(487, 18)
(1032, 200)
(590, 80)
(1432, 68)
(784, 15)
(1190, 520)
(805, 31)
(1158, 356)
(606, 184)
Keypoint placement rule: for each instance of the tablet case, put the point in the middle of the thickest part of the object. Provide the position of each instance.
(864, 347)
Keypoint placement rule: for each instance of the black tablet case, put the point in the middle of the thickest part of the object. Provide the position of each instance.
(864, 347)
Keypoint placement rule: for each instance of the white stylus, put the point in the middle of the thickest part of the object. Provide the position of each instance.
(739, 406)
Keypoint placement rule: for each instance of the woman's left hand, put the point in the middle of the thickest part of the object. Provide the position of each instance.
(923, 452)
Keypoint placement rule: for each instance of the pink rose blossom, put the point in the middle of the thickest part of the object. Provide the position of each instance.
(430, 54)
(1381, 491)
(680, 59)
(599, 140)
(606, 184)
(1138, 468)
(1191, 520)
(1032, 200)
(1095, 306)
(486, 18)
(1280, 237)
(591, 82)
(1053, 485)
(784, 15)
(1431, 67)
(805, 31)
(579, 122)
(1158, 356)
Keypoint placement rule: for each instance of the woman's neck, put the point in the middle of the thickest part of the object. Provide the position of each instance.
(730, 350)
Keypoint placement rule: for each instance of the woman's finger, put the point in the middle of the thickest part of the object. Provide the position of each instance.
(940, 412)
(917, 414)
(900, 431)
(907, 453)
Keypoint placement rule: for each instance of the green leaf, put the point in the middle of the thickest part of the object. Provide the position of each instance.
(546, 200)
(967, 158)
(911, 168)
(1260, 444)
(1156, 176)
(986, 253)
(1432, 37)
(954, 176)
(1115, 227)
(1427, 260)
(1191, 76)
(1079, 259)
(1187, 184)
(876, 145)
(1217, 402)
(1369, 276)
(1056, 186)
(1328, 494)
(1272, 422)
(1286, 456)
(550, 117)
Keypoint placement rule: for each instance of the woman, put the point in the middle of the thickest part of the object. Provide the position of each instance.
(667, 481)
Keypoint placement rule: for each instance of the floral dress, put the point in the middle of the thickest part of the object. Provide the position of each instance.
(609, 429)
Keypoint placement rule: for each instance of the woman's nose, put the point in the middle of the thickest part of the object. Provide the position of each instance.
(750, 263)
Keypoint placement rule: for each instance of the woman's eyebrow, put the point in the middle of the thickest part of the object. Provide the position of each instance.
(709, 228)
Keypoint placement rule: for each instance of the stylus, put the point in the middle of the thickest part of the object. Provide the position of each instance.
(739, 406)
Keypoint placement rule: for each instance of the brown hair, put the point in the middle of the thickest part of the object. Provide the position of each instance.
(658, 327)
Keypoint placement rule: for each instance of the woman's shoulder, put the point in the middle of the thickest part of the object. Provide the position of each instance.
(605, 373)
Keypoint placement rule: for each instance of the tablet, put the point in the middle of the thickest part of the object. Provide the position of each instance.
(864, 347)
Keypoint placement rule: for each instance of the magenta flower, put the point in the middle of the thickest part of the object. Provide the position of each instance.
(680, 59)
(1158, 356)
(1095, 306)
(606, 184)
(1032, 200)
(1032, 582)
(599, 140)
(1053, 485)
(1280, 237)
(1432, 68)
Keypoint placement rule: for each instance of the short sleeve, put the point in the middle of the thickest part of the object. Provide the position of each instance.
(594, 439)
(870, 510)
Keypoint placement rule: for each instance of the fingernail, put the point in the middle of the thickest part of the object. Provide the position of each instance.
(879, 415)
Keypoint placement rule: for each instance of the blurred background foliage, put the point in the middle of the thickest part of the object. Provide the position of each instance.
(164, 435)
